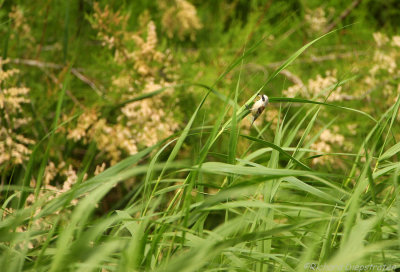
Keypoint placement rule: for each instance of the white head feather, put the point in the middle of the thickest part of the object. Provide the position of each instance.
(262, 102)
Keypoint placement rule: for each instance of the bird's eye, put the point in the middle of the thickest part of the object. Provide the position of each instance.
(263, 98)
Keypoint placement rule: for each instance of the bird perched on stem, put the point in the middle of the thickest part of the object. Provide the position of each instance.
(258, 107)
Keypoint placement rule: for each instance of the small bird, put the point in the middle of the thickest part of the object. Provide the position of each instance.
(258, 107)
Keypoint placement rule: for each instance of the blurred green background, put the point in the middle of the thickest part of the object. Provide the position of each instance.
(94, 85)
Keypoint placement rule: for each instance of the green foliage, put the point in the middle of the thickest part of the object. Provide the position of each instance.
(133, 150)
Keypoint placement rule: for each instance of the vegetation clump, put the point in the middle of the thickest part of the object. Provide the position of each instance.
(127, 143)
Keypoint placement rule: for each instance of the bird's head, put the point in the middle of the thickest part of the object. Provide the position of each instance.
(264, 98)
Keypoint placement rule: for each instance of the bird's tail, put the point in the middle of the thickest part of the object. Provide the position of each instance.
(252, 122)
